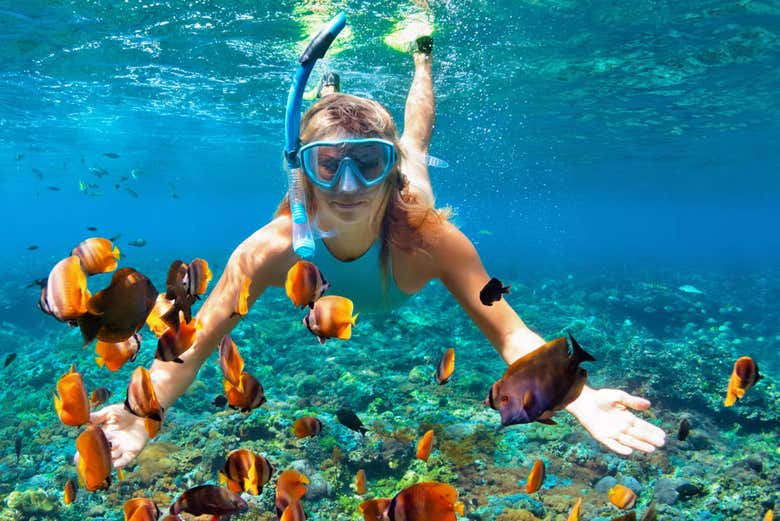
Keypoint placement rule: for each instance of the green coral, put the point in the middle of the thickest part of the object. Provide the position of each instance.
(31, 501)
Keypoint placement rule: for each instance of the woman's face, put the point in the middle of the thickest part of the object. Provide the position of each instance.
(350, 202)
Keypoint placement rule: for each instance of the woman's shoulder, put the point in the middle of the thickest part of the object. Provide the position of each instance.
(267, 252)
(440, 244)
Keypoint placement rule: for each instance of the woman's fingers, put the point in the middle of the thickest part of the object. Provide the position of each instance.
(124, 459)
(615, 446)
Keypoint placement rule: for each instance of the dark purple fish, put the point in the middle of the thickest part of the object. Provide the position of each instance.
(54, 188)
(112, 155)
(540, 383)
(32, 247)
(138, 243)
(92, 228)
(492, 292)
(8, 359)
(685, 428)
(350, 420)
(208, 499)
(118, 311)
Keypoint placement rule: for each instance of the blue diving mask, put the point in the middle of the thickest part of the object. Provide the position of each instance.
(341, 165)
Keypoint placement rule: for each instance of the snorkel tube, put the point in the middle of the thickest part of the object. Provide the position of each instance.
(302, 238)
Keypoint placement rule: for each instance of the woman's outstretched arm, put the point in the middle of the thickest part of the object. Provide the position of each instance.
(605, 413)
(264, 258)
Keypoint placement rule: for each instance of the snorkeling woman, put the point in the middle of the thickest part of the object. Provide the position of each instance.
(371, 192)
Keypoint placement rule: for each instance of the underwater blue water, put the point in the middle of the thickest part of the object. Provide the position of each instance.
(583, 138)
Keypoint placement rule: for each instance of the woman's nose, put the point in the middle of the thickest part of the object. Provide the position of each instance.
(348, 183)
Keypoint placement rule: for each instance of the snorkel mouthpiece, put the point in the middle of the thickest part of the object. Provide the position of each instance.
(303, 240)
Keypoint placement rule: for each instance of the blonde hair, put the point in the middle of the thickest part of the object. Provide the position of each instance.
(403, 217)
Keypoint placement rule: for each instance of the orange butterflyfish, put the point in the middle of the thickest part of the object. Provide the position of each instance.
(290, 487)
(115, 354)
(230, 360)
(99, 396)
(743, 377)
(245, 471)
(536, 477)
(247, 395)
(118, 311)
(65, 294)
(621, 496)
(360, 482)
(155, 321)
(373, 509)
(141, 509)
(446, 367)
(331, 317)
(69, 493)
(425, 445)
(94, 466)
(142, 400)
(72, 404)
(293, 512)
(97, 255)
(242, 299)
(425, 501)
(574, 515)
(306, 426)
(174, 342)
(198, 277)
(305, 284)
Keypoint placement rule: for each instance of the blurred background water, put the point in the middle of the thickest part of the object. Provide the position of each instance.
(579, 134)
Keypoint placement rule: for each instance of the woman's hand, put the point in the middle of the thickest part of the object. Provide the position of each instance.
(124, 431)
(606, 416)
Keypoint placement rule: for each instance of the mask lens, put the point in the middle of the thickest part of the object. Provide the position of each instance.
(372, 159)
(322, 162)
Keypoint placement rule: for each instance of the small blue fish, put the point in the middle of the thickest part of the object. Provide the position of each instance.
(436, 162)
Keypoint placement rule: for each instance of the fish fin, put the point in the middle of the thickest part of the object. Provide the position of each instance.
(178, 360)
(578, 353)
(730, 400)
(120, 474)
(321, 339)
(506, 289)
(57, 404)
(99, 361)
(354, 319)
(345, 332)
(547, 421)
(89, 324)
(436, 162)
(459, 508)
(528, 400)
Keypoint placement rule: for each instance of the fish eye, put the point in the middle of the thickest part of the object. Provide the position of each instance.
(504, 398)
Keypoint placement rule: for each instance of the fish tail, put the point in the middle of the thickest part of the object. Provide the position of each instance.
(730, 400)
(354, 319)
(57, 404)
(578, 353)
(506, 289)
